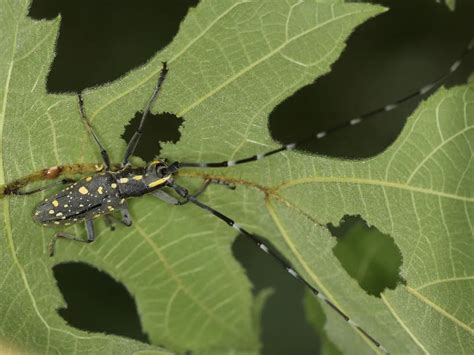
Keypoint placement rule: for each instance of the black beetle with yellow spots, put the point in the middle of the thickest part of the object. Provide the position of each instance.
(107, 192)
(101, 194)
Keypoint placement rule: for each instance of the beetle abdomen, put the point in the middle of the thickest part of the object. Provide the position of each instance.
(88, 198)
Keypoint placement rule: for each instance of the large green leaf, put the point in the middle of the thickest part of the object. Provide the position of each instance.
(230, 64)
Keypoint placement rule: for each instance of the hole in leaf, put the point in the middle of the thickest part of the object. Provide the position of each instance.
(96, 302)
(382, 63)
(284, 307)
(163, 127)
(369, 256)
(101, 40)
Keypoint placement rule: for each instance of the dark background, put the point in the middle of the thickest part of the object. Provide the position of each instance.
(386, 58)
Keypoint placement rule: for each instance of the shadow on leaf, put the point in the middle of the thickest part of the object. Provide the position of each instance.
(96, 302)
(99, 41)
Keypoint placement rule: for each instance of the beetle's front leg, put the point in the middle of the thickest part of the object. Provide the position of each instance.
(166, 197)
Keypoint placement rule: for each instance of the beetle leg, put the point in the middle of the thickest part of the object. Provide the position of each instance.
(218, 182)
(56, 236)
(108, 222)
(209, 181)
(132, 144)
(103, 151)
(169, 199)
(166, 197)
(126, 219)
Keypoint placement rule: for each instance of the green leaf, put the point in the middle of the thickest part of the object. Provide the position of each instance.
(230, 65)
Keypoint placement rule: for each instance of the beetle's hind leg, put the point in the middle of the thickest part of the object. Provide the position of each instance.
(68, 236)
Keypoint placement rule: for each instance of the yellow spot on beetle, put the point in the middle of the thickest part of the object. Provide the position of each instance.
(123, 180)
(83, 190)
(51, 211)
(100, 190)
(37, 213)
(59, 214)
(66, 205)
(110, 208)
(89, 178)
(56, 222)
(138, 177)
(122, 200)
(159, 181)
(114, 185)
(55, 203)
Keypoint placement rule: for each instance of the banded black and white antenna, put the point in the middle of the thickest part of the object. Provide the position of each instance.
(320, 135)
(352, 122)
(231, 223)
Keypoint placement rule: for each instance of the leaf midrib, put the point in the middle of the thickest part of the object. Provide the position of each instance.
(326, 179)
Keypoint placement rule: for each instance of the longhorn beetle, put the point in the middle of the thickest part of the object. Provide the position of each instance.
(108, 191)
